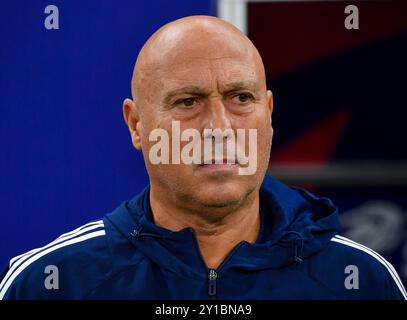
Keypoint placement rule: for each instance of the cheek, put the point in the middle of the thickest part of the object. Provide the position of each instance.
(153, 120)
(260, 121)
(165, 124)
(264, 132)
(265, 135)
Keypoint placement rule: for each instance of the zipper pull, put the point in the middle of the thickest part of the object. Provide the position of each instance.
(213, 275)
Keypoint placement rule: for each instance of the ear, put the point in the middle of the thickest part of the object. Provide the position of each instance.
(131, 116)
(270, 104)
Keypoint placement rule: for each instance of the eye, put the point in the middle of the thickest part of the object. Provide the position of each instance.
(242, 98)
(187, 102)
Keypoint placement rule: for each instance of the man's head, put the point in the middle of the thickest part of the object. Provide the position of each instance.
(206, 74)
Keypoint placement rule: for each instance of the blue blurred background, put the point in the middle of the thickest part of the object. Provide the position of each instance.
(65, 153)
(66, 156)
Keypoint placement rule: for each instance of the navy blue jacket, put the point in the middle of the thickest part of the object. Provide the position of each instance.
(298, 255)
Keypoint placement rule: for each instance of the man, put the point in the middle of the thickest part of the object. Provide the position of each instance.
(204, 229)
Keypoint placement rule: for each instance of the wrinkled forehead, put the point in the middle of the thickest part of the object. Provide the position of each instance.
(208, 73)
(195, 57)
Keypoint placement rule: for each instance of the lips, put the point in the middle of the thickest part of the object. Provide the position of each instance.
(224, 166)
(221, 162)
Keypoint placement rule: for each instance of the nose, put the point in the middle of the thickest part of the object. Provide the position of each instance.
(217, 129)
(217, 116)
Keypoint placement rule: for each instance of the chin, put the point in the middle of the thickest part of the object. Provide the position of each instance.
(222, 196)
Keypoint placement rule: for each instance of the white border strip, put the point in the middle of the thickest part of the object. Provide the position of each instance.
(32, 253)
(65, 235)
(378, 257)
(80, 228)
(43, 253)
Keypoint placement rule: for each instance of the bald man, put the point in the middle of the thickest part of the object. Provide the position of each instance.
(211, 224)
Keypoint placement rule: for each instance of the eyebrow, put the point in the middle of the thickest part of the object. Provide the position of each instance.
(239, 85)
(187, 89)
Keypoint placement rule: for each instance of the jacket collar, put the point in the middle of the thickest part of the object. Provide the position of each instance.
(295, 225)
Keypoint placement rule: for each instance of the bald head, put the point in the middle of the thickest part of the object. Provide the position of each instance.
(194, 38)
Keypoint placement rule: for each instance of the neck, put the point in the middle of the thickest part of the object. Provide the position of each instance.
(216, 237)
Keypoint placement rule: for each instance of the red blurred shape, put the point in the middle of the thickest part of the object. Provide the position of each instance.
(316, 146)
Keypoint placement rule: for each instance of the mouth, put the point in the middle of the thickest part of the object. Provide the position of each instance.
(225, 165)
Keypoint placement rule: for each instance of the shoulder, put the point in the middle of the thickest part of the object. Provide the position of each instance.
(353, 270)
(67, 266)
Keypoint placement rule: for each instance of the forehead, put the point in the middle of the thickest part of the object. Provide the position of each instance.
(201, 59)
(207, 72)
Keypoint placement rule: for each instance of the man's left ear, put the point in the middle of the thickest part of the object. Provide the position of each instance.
(270, 101)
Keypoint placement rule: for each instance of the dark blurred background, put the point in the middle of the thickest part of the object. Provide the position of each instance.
(339, 118)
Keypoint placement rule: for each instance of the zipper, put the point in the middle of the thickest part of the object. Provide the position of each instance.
(212, 276)
(213, 273)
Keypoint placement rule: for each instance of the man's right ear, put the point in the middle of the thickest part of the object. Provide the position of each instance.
(132, 118)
